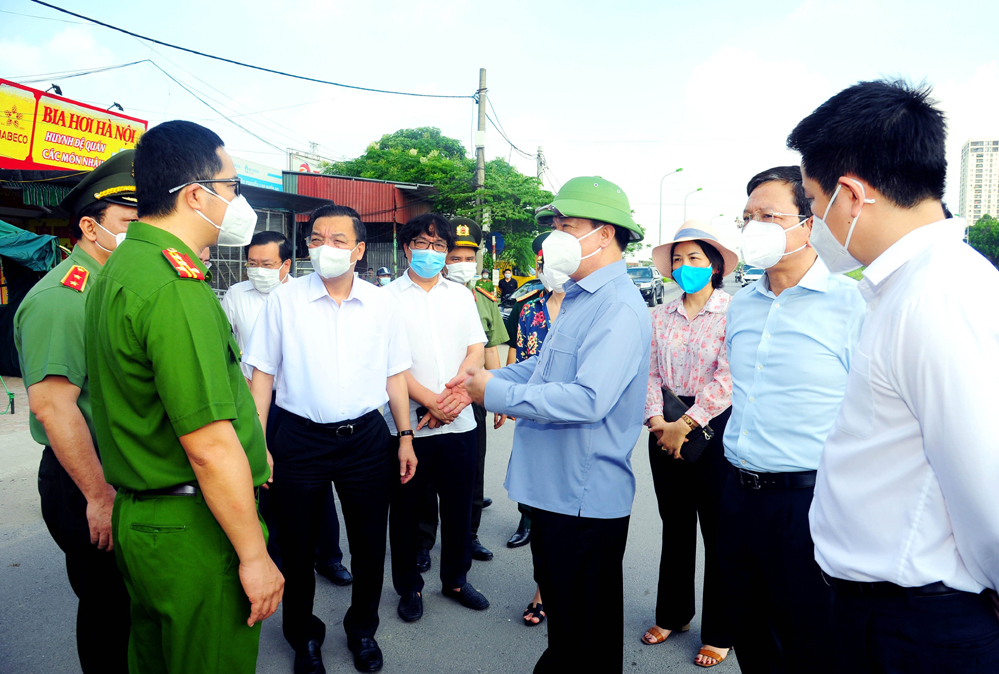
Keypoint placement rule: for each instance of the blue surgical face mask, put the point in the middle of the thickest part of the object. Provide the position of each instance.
(427, 263)
(692, 279)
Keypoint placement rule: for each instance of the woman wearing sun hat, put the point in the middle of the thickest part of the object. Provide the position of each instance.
(689, 361)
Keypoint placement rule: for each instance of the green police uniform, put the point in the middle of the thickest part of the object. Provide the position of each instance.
(163, 363)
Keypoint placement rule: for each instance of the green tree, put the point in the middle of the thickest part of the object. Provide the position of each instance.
(984, 237)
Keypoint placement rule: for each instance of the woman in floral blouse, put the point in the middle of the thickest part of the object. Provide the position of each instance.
(689, 359)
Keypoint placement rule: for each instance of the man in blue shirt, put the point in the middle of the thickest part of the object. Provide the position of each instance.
(579, 405)
(790, 337)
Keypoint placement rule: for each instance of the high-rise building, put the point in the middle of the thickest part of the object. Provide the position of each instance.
(979, 179)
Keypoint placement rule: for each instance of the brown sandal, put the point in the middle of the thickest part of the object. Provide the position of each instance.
(659, 635)
(708, 653)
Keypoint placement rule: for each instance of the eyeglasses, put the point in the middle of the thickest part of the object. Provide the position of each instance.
(236, 184)
(264, 265)
(315, 241)
(771, 217)
(423, 244)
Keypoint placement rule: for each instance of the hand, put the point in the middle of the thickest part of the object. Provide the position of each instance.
(499, 420)
(407, 459)
(263, 585)
(674, 434)
(454, 397)
(99, 520)
(270, 467)
(476, 382)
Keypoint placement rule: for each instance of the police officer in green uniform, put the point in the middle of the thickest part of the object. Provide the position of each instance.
(178, 430)
(49, 334)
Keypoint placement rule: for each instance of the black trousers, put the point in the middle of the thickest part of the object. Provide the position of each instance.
(577, 565)
(782, 605)
(102, 617)
(328, 549)
(363, 465)
(688, 493)
(427, 526)
(446, 469)
(938, 634)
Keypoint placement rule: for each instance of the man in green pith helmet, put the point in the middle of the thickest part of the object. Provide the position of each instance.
(178, 429)
(50, 334)
(461, 266)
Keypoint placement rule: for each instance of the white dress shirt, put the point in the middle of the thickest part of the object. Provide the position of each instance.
(242, 304)
(330, 361)
(441, 325)
(907, 485)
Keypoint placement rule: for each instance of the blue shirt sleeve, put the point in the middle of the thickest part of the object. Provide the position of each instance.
(518, 372)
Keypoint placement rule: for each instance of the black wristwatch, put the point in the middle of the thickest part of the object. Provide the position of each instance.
(402, 433)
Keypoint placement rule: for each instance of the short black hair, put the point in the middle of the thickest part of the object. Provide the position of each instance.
(714, 257)
(171, 154)
(789, 175)
(623, 237)
(430, 224)
(337, 211)
(264, 238)
(890, 133)
(95, 210)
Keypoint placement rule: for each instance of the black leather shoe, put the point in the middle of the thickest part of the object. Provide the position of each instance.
(423, 561)
(480, 552)
(468, 597)
(309, 660)
(336, 573)
(367, 655)
(486, 502)
(410, 607)
(520, 537)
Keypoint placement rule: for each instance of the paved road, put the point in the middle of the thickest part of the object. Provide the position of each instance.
(37, 607)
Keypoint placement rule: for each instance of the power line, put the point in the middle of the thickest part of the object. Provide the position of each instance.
(43, 18)
(519, 151)
(239, 63)
(66, 74)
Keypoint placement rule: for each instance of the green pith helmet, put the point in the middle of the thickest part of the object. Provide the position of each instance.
(593, 198)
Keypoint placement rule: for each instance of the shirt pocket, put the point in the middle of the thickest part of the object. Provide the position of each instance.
(857, 415)
(558, 358)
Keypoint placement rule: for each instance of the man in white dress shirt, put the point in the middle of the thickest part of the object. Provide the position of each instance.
(337, 347)
(268, 265)
(446, 338)
(906, 518)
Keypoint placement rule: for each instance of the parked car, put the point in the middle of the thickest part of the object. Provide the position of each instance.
(650, 282)
(749, 275)
(529, 286)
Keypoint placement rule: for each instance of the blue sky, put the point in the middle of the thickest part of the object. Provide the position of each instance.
(628, 91)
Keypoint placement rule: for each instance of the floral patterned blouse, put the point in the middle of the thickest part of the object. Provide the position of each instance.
(689, 358)
(532, 327)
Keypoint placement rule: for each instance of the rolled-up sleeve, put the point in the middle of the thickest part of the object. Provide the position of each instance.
(400, 358)
(263, 351)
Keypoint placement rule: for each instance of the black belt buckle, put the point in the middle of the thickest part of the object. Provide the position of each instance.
(748, 479)
(346, 429)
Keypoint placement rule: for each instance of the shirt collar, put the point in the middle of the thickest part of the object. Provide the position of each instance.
(162, 239)
(816, 278)
(911, 245)
(714, 305)
(84, 259)
(602, 276)
(407, 281)
(317, 289)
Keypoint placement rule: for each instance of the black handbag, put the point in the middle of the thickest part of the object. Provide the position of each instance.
(697, 439)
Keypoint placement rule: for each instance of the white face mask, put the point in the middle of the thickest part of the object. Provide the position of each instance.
(563, 251)
(763, 243)
(461, 272)
(330, 262)
(118, 238)
(237, 223)
(263, 279)
(552, 280)
(834, 254)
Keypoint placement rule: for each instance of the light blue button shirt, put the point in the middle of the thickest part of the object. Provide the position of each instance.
(580, 402)
(789, 356)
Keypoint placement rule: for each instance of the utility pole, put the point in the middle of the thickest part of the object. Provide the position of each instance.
(541, 164)
(480, 141)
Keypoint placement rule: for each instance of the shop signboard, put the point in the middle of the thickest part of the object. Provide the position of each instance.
(43, 131)
(258, 175)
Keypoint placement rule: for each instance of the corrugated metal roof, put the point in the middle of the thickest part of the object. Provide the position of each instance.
(375, 200)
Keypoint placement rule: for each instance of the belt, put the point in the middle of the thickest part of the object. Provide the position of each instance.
(339, 428)
(176, 490)
(797, 480)
(886, 590)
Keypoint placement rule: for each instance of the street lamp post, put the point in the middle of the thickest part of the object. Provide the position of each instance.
(720, 215)
(661, 202)
(685, 202)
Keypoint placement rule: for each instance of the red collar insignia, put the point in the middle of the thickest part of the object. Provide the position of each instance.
(183, 264)
(76, 278)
